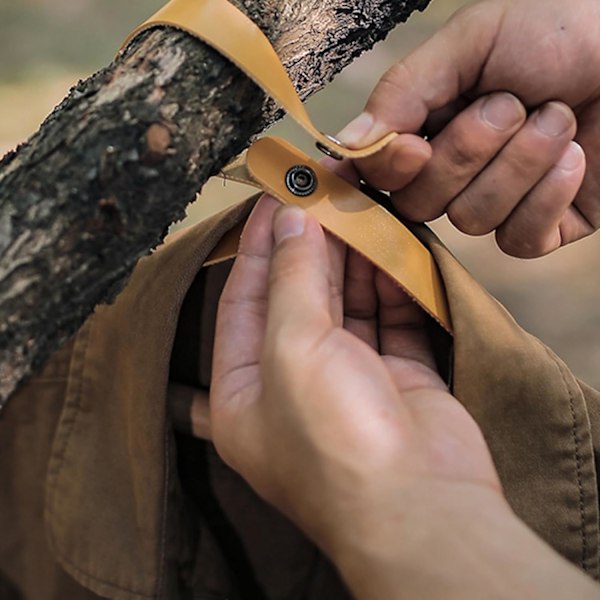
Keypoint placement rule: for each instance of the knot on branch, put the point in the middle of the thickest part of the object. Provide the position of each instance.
(158, 144)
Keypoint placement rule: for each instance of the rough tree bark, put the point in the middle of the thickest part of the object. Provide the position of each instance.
(119, 159)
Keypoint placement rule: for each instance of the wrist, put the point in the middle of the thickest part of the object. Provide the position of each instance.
(381, 552)
(452, 541)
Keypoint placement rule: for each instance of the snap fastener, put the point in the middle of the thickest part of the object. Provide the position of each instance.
(325, 150)
(301, 180)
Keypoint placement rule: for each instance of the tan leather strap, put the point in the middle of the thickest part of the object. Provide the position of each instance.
(351, 216)
(357, 220)
(235, 36)
(342, 209)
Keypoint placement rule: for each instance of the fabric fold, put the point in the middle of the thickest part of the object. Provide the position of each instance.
(116, 509)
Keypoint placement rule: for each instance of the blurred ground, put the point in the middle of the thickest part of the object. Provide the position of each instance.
(46, 45)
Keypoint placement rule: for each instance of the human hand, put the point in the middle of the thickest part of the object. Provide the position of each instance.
(324, 395)
(325, 399)
(492, 167)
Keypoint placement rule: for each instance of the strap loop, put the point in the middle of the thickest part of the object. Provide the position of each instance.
(342, 209)
(230, 32)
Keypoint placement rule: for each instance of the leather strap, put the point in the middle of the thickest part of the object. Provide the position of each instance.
(357, 220)
(341, 208)
(229, 31)
(350, 215)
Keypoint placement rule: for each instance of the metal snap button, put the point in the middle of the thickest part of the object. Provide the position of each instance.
(301, 180)
(325, 150)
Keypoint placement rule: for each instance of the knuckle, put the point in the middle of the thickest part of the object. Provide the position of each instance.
(479, 21)
(469, 14)
(470, 213)
(396, 85)
(396, 78)
(525, 166)
(464, 153)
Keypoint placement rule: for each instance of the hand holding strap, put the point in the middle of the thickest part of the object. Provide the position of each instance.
(353, 217)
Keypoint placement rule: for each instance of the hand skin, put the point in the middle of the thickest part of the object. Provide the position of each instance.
(325, 399)
(489, 166)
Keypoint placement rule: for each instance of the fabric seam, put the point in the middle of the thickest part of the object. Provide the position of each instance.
(55, 472)
(164, 515)
(577, 459)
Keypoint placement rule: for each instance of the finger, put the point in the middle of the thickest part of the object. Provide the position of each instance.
(189, 409)
(402, 324)
(342, 168)
(574, 225)
(397, 164)
(336, 253)
(335, 247)
(488, 200)
(533, 229)
(201, 415)
(299, 284)
(460, 152)
(360, 299)
(435, 74)
(242, 311)
(438, 119)
(584, 217)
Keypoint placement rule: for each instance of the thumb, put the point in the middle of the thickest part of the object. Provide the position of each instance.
(299, 290)
(436, 73)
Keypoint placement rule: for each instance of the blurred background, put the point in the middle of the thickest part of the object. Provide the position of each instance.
(47, 45)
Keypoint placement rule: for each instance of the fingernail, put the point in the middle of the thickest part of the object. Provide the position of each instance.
(554, 119)
(502, 111)
(288, 222)
(572, 157)
(357, 130)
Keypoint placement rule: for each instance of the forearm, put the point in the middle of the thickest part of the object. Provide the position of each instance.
(456, 542)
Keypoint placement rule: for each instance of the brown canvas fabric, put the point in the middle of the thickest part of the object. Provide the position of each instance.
(533, 414)
(99, 497)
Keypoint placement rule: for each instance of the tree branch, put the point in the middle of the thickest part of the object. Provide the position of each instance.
(120, 158)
